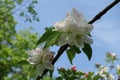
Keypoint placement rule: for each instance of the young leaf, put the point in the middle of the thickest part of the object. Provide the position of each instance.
(51, 72)
(71, 55)
(49, 29)
(22, 62)
(59, 78)
(75, 49)
(51, 40)
(87, 50)
(44, 36)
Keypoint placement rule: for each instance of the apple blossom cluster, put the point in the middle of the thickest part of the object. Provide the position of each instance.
(41, 59)
(74, 30)
(103, 71)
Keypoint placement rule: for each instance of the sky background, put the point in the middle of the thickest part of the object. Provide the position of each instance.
(106, 33)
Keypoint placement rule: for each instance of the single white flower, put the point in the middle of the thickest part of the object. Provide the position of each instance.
(41, 59)
(118, 69)
(75, 30)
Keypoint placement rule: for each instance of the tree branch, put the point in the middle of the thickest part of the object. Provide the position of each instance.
(100, 14)
(63, 48)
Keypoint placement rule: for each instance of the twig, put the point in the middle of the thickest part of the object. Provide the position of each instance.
(100, 14)
(63, 48)
(23, 5)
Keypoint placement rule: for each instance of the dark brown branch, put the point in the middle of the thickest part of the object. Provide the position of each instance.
(63, 48)
(100, 14)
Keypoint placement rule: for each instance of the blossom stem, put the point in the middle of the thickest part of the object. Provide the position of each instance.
(63, 48)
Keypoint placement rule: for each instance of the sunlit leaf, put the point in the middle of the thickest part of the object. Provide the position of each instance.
(44, 37)
(52, 39)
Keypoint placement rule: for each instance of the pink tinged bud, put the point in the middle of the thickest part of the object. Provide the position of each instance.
(73, 68)
(86, 75)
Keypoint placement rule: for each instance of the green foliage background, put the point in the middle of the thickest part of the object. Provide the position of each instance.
(14, 45)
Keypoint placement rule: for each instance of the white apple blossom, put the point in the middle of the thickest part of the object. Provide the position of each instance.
(118, 69)
(75, 29)
(103, 71)
(41, 59)
(110, 77)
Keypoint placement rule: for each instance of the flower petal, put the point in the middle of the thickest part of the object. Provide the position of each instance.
(48, 56)
(33, 61)
(62, 39)
(70, 39)
(40, 69)
(87, 39)
(79, 42)
(60, 26)
(75, 24)
(38, 52)
(48, 65)
(88, 28)
(77, 17)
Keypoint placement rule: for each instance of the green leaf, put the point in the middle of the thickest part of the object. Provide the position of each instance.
(23, 62)
(19, 1)
(46, 78)
(97, 77)
(59, 78)
(49, 29)
(45, 36)
(75, 49)
(51, 72)
(52, 39)
(87, 50)
(70, 55)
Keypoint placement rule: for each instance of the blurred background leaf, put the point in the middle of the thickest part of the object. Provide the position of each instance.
(15, 44)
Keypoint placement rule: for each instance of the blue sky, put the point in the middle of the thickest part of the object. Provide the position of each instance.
(106, 33)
